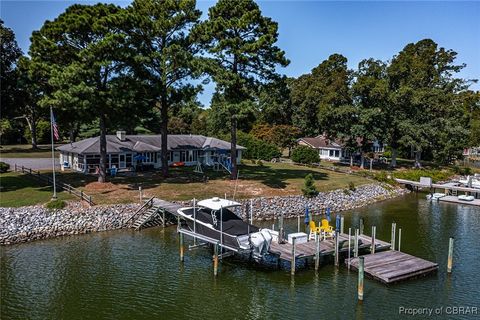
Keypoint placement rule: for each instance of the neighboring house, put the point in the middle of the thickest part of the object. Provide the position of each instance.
(327, 149)
(334, 150)
(472, 152)
(127, 151)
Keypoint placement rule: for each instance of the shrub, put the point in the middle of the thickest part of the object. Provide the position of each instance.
(55, 204)
(4, 167)
(259, 162)
(415, 174)
(309, 190)
(351, 186)
(256, 148)
(304, 154)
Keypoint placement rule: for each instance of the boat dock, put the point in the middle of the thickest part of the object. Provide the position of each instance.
(453, 199)
(326, 247)
(392, 266)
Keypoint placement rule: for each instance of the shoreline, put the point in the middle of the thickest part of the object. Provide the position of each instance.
(26, 224)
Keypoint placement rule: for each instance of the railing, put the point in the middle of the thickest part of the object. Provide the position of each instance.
(148, 202)
(47, 179)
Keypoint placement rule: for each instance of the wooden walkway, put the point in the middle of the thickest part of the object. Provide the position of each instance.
(392, 266)
(453, 199)
(327, 247)
(448, 187)
(169, 207)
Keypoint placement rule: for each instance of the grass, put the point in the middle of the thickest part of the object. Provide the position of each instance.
(270, 179)
(17, 190)
(26, 151)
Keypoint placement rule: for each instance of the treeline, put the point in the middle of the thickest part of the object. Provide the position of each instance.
(140, 68)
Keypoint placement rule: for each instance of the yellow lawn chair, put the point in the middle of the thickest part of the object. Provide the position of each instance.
(325, 229)
(313, 230)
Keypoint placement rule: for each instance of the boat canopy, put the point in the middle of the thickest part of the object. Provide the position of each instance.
(218, 203)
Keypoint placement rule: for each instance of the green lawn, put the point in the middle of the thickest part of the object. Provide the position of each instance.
(270, 179)
(18, 190)
(26, 151)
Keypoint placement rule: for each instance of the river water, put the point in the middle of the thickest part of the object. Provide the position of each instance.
(137, 275)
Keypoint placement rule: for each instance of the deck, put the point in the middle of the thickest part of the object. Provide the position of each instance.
(392, 266)
(453, 199)
(327, 247)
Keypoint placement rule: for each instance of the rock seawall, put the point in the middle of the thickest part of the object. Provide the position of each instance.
(36, 222)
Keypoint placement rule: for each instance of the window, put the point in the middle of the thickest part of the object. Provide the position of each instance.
(331, 153)
(337, 153)
(182, 156)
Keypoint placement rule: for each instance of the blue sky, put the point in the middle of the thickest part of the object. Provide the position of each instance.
(309, 31)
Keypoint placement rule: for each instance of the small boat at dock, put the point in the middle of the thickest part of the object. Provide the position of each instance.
(435, 196)
(215, 221)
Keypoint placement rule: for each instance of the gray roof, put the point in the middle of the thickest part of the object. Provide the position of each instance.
(146, 143)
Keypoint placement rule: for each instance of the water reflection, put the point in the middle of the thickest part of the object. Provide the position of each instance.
(131, 275)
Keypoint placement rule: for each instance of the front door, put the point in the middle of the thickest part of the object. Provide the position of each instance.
(122, 162)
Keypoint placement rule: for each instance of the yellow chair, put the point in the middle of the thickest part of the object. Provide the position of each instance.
(326, 228)
(313, 230)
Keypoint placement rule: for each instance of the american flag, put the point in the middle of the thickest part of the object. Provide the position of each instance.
(55, 128)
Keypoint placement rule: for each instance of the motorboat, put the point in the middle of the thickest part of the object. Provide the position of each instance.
(435, 196)
(215, 220)
(466, 198)
(471, 181)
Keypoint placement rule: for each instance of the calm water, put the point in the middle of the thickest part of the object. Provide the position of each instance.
(137, 275)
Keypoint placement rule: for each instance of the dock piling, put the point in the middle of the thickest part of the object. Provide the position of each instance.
(450, 255)
(374, 233)
(392, 239)
(317, 252)
(399, 238)
(298, 223)
(342, 224)
(292, 263)
(361, 264)
(215, 259)
(180, 235)
(349, 246)
(356, 244)
(280, 229)
(336, 248)
(361, 226)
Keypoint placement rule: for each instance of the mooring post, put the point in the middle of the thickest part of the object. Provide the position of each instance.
(298, 224)
(374, 234)
(180, 235)
(349, 245)
(251, 211)
(336, 248)
(292, 263)
(194, 220)
(361, 225)
(215, 259)
(140, 193)
(342, 224)
(280, 229)
(356, 244)
(392, 241)
(317, 251)
(450, 256)
(399, 238)
(361, 264)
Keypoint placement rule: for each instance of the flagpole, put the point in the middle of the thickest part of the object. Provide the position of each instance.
(53, 156)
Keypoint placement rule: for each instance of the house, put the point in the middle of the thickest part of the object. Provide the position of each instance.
(331, 150)
(129, 151)
(334, 150)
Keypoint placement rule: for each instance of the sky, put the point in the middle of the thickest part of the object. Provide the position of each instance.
(310, 31)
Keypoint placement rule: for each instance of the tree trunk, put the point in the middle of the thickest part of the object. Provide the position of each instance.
(102, 172)
(393, 161)
(362, 160)
(233, 147)
(418, 156)
(32, 126)
(164, 133)
(351, 160)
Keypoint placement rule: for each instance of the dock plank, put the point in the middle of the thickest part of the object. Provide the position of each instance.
(391, 266)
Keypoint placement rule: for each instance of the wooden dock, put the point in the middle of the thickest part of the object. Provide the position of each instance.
(327, 247)
(453, 199)
(392, 266)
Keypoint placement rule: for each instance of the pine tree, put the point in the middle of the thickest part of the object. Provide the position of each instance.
(309, 190)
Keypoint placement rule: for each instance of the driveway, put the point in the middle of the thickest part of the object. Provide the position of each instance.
(32, 163)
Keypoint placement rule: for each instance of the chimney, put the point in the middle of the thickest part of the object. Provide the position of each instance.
(121, 135)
